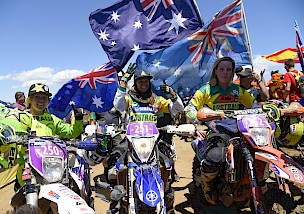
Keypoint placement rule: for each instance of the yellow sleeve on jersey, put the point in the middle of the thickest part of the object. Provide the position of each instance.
(201, 97)
(245, 98)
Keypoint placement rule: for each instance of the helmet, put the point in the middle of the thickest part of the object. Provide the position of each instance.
(291, 131)
(39, 87)
(6, 131)
(273, 112)
(142, 73)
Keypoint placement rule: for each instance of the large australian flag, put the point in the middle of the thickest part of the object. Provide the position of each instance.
(130, 25)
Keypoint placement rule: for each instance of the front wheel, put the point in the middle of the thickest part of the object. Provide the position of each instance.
(277, 201)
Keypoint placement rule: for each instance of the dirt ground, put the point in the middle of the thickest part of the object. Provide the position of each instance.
(183, 199)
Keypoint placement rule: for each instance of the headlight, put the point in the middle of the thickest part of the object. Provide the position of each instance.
(143, 147)
(260, 135)
(53, 169)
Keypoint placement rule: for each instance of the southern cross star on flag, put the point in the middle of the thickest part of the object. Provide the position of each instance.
(93, 91)
(224, 35)
(130, 25)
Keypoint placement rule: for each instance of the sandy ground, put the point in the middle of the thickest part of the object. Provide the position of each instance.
(183, 200)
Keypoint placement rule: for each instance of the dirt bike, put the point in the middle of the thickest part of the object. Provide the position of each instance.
(142, 182)
(249, 157)
(47, 176)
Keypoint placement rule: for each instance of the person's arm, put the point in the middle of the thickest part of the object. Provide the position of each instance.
(120, 96)
(67, 130)
(263, 88)
(120, 102)
(176, 104)
(196, 103)
(286, 92)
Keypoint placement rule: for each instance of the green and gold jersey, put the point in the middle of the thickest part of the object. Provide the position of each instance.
(50, 125)
(141, 112)
(217, 98)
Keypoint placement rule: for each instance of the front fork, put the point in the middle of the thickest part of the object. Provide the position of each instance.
(256, 189)
(30, 188)
(131, 179)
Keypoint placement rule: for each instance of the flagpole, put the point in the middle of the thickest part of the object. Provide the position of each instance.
(198, 12)
(247, 34)
(299, 42)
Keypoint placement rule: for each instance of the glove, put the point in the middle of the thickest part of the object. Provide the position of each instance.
(78, 113)
(131, 70)
(168, 90)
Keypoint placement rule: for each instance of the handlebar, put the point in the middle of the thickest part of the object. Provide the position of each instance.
(206, 114)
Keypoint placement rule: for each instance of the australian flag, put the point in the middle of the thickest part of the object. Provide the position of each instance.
(94, 92)
(187, 65)
(300, 46)
(130, 25)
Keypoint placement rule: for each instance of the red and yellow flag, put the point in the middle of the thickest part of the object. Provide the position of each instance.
(282, 55)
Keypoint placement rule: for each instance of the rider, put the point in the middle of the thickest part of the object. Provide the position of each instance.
(220, 93)
(140, 103)
(42, 123)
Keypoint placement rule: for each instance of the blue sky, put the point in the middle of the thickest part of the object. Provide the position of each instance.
(52, 42)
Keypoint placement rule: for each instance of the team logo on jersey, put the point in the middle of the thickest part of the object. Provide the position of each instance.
(226, 98)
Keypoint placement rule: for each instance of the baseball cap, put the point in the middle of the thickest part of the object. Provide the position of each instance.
(142, 73)
(244, 71)
(39, 87)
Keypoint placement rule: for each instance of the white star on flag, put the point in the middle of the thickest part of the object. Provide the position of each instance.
(176, 22)
(97, 102)
(115, 16)
(177, 72)
(113, 43)
(135, 48)
(71, 103)
(69, 86)
(156, 63)
(103, 35)
(137, 24)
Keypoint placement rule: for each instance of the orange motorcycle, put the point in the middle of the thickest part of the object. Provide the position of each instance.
(250, 155)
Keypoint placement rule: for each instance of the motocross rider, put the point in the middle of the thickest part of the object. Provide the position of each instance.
(220, 93)
(141, 104)
(42, 123)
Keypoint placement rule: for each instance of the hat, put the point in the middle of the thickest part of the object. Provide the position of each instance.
(244, 71)
(39, 87)
(274, 72)
(142, 73)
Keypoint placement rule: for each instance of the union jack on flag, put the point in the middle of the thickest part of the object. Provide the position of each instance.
(93, 91)
(146, 4)
(102, 74)
(300, 46)
(223, 24)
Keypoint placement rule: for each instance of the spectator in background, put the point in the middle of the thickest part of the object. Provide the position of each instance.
(246, 76)
(20, 100)
(292, 91)
(276, 85)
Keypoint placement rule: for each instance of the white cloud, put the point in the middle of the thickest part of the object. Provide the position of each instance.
(54, 79)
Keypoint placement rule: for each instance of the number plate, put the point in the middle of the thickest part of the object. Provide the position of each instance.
(141, 129)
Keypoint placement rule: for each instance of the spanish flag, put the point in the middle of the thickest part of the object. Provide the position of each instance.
(282, 55)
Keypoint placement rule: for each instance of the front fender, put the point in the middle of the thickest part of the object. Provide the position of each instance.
(281, 164)
(66, 200)
(149, 185)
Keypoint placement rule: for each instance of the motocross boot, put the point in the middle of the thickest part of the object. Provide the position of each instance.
(209, 187)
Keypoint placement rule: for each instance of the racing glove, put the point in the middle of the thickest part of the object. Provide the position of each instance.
(168, 90)
(131, 70)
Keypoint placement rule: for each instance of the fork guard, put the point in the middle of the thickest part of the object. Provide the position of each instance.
(281, 164)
